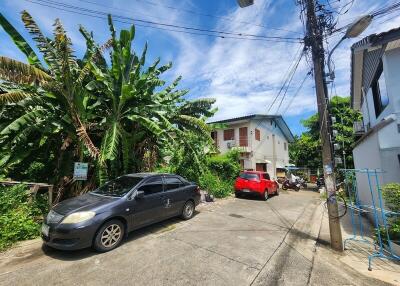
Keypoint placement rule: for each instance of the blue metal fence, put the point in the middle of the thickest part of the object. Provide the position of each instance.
(380, 215)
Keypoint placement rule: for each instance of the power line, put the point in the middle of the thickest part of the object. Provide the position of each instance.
(288, 76)
(290, 81)
(297, 92)
(153, 24)
(225, 18)
(378, 13)
(285, 78)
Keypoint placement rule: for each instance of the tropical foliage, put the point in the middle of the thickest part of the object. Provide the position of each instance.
(306, 150)
(19, 217)
(391, 194)
(116, 113)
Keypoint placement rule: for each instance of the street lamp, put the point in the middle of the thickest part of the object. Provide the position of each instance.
(354, 30)
(245, 3)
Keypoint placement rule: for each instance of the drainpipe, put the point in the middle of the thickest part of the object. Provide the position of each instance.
(273, 155)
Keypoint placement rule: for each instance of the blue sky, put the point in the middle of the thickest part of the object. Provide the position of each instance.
(243, 76)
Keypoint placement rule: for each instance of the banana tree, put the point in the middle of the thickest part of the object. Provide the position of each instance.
(46, 99)
(139, 113)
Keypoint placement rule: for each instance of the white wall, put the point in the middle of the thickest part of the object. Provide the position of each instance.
(261, 150)
(391, 69)
(381, 149)
(367, 156)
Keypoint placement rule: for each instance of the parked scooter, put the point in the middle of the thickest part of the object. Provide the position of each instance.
(294, 185)
(320, 182)
(303, 183)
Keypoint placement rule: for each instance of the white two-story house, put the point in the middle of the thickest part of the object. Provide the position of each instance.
(375, 91)
(263, 142)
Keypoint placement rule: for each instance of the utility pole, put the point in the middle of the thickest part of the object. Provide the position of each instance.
(314, 40)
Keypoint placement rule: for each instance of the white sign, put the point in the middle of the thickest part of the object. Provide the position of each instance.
(328, 169)
(80, 171)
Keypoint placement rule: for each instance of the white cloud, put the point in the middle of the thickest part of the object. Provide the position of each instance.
(243, 76)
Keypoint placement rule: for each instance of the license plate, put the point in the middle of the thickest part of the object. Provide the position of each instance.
(246, 190)
(45, 229)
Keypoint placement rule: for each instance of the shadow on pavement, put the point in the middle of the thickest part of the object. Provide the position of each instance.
(72, 255)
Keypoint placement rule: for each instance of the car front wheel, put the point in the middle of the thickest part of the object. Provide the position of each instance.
(109, 236)
(188, 210)
(265, 195)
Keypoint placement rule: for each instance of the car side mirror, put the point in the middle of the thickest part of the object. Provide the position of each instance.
(139, 195)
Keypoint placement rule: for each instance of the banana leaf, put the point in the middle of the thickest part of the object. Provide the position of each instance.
(20, 42)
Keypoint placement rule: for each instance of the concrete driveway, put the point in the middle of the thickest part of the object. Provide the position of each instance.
(230, 242)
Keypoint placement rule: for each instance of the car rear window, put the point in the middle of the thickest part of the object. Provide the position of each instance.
(249, 176)
(172, 183)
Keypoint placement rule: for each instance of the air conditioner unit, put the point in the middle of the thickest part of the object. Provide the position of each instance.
(358, 128)
(230, 144)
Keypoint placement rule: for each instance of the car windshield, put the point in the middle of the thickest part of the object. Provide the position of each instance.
(118, 187)
(248, 176)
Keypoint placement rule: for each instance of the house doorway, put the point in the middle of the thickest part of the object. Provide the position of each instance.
(261, 167)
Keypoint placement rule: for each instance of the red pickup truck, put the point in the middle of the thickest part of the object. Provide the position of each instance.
(254, 182)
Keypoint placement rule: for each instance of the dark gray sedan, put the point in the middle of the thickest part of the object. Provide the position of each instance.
(102, 218)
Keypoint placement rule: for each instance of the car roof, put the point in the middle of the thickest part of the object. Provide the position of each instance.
(254, 172)
(148, 174)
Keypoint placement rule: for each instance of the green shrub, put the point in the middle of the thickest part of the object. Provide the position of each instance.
(19, 218)
(226, 166)
(391, 194)
(215, 185)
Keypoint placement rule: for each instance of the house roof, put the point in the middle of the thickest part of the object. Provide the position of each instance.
(365, 59)
(277, 118)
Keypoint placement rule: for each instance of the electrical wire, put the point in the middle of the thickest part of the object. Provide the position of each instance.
(290, 81)
(297, 92)
(378, 13)
(287, 75)
(153, 24)
(224, 18)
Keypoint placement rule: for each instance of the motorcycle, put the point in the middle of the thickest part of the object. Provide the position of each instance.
(303, 183)
(291, 185)
(320, 182)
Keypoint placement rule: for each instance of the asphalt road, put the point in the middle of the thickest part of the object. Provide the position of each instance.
(231, 242)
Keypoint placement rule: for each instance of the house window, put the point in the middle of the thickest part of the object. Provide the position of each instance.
(379, 92)
(229, 134)
(285, 146)
(257, 134)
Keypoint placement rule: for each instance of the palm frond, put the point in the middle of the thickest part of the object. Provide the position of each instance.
(14, 96)
(43, 44)
(85, 138)
(63, 46)
(111, 144)
(198, 107)
(20, 42)
(27, 119)
(194, 124)
(18, 72)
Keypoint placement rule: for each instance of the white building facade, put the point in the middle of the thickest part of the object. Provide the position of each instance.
(375, 91)
(263, 142)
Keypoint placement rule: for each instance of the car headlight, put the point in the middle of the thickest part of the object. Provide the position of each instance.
(78, 217)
